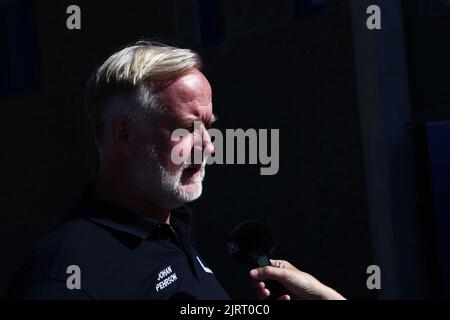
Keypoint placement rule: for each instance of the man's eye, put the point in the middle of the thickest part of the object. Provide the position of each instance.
(191, 128)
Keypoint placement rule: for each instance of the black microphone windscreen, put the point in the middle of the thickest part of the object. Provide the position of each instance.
(252, 244)
(250, 240)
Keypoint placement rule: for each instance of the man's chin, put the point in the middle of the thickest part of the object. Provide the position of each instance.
(191, 191)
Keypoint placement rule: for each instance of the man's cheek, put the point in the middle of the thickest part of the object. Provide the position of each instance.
(180, 153)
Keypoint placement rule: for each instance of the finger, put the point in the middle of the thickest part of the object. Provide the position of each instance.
(283, 264)
(274, 262)
(268, 272)
(256, 284)
(263, 294)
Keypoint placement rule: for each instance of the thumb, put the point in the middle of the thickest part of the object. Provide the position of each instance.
(269, 273)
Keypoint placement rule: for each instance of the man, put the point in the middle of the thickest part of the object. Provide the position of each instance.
(129, 236)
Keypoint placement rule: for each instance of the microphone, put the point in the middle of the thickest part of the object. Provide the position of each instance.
(252, 244)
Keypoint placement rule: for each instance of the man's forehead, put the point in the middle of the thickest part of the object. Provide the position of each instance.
(190, 114)
(191, 86)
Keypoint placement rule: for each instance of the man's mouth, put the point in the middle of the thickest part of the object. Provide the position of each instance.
(193, 170)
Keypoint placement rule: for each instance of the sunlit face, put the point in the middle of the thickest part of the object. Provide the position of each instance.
(186, 100)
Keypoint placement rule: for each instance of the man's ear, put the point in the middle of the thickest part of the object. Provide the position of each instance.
(123, 135)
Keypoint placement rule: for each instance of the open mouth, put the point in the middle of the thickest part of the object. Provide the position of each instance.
(192, 170)
(191, 175)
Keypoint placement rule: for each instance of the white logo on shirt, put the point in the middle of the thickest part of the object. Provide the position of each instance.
(207, 270)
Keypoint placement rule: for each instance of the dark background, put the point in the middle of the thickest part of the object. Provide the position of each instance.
(352, 189)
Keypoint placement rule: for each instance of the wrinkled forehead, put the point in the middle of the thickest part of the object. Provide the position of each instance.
(190, 93)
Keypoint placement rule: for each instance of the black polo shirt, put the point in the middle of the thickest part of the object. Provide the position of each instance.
(120, 255)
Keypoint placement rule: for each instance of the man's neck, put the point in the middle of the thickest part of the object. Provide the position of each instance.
(125, 196)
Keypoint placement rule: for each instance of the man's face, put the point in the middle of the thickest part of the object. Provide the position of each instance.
(186, 100)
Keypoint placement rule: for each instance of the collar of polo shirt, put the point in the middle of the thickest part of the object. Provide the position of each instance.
(124, 220)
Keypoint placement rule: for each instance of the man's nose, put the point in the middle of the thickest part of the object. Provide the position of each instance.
(202, 145)
(208, 146)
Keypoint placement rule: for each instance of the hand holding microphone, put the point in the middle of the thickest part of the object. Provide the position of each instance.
(252, 244)
(298, 285)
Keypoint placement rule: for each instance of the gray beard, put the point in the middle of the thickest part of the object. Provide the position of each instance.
(162, 187)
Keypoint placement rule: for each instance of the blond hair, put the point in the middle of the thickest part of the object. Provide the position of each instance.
(125, 83)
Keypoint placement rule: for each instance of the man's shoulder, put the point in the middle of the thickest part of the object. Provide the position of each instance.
(73, 243)
(72, 239)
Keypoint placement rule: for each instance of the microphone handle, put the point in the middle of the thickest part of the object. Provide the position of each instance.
(275, 288)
